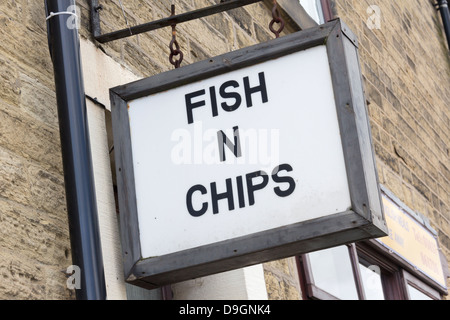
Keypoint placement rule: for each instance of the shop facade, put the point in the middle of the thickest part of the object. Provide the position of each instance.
(405, 66)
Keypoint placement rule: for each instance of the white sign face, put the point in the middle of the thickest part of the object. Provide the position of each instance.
(243, 152)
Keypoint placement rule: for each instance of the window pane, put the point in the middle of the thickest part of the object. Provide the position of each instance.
(415, 294)
(371, 280)
(314, 9)
(332, 272)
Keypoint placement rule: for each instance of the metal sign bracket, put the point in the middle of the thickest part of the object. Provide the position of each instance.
(96, 8)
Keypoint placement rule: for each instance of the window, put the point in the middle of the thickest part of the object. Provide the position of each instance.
(415, 294)
(319, 10)
(332, 273)
(359, 271)
(314, 9)
(371, 281)
(417, 290)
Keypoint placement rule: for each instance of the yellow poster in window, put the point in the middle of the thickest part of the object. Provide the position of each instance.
(412, 241)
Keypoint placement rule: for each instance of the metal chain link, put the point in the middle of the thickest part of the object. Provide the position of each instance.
(174, 46)
(276, 19)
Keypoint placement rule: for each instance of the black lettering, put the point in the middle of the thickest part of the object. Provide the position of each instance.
(261, 88)
(190, 106)
(215, 197)
(230, 95)
(212, 93)
(240, 189)
(223, 140)
(278, 179)
(192, 211)
(251, 188)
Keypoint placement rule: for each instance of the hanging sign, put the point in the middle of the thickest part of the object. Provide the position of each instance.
(255, 155)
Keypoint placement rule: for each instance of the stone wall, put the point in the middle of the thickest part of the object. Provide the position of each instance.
(34, 242)
(282, 280)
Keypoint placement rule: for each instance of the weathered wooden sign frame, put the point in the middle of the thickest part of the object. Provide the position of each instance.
(365, 218)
